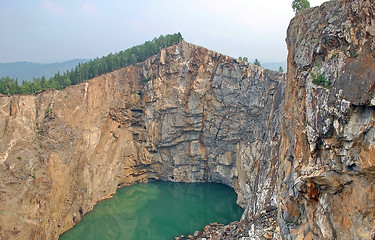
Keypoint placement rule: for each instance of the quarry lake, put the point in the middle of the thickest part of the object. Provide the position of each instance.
(157, 210)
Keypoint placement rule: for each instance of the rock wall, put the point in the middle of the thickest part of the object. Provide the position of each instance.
(300, 153)
(327, 169)
(187, 114)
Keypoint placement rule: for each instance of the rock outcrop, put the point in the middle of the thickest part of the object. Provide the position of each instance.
(327, 168)
(299, 153)
(187, 114)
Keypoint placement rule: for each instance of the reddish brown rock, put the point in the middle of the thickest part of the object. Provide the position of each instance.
(326, 176)
(198, 119)
(300, 156)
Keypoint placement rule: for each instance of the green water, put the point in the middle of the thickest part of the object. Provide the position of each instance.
(158, 210)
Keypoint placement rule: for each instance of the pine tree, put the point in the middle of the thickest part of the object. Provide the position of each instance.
(93, 68)
(44, 83)
(256, 62)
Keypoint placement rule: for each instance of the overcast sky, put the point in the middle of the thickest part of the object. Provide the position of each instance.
(59, 30)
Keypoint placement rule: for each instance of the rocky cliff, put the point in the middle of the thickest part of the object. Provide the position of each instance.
(187, 114)
(327, 165)
(299, 153)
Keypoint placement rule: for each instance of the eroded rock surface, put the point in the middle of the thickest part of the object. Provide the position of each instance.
(327, 169)
(300, 155)
(202, 117)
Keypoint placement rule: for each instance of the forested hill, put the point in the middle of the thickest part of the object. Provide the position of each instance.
(90, 69)
(29, 70)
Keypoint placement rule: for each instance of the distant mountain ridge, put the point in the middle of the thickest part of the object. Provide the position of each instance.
(28, 70)
(90, 69)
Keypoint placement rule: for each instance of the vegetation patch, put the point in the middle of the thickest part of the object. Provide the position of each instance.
(352, 53)
(90, 69)
(299, 5)
(320, 80)
(146, 79)
(318, 77)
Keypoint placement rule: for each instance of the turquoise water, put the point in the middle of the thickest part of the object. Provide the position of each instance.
(157, 210)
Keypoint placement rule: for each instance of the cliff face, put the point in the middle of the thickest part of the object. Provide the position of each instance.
(187, 114)
(327, 169)
(299, 153)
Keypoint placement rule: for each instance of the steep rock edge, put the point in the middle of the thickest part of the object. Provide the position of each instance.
(327, 168)
(324, 188)
(187, 114)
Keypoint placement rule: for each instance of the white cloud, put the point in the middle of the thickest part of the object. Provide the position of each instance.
(53, 8)
(89, 8)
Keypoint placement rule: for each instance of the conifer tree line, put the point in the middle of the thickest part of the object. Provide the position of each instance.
(90, 69)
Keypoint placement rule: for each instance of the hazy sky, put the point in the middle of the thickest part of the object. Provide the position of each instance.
(58, 30)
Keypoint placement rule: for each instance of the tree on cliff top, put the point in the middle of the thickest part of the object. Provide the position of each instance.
(256, 62)
(92, 68)
(299, 5)
(245, 59)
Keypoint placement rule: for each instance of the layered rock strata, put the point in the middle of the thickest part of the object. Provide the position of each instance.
(327, 170)
(187, 114)
(300, 155)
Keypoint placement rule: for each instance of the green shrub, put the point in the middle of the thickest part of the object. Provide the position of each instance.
(320, 80)
(146, 79)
